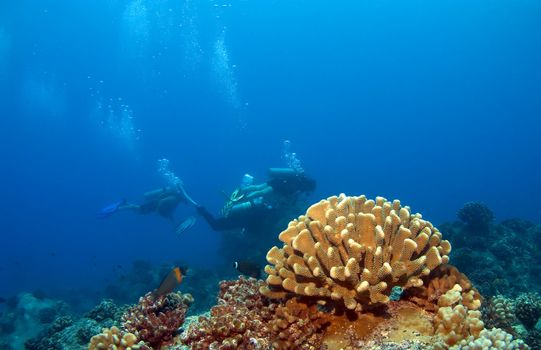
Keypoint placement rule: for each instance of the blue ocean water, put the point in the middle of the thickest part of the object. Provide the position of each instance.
(434, 103)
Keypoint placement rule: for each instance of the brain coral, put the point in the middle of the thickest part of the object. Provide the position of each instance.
(354, 250)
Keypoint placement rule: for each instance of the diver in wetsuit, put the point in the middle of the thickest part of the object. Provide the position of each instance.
(253, 207)
(162, 201)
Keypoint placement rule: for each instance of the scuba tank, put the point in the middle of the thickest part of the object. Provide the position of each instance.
(239, 208)
(156, 194)
(282, 173)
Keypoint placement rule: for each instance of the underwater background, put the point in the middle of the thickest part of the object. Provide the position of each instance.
(436, 103)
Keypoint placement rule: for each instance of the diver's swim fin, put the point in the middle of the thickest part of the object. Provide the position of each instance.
(185, 225)
(110, 209)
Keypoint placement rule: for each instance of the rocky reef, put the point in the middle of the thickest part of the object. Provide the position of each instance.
(352, 273)
(500, 258)
(330, 287)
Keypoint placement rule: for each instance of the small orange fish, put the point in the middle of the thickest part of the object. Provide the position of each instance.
(169, 283)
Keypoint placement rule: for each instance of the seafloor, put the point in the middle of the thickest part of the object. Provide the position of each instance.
(351, 274)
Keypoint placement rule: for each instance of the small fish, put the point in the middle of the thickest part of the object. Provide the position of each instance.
(185, 225)
(169, 283)
(248, 268)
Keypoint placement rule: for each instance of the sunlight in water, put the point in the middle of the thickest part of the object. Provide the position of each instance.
(190, 35)
(136, 32)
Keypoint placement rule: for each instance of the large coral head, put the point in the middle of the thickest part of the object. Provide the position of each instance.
(354, 250)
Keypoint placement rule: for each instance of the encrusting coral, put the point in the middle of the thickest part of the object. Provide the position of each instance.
(244, 320)
(528, 309)
(156, 319)
(116, 339)
(354, 250)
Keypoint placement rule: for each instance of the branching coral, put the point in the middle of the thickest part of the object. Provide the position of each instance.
(439, 282)
(236, 322)
(115, 339)
(243, 320)
(156, 320)
(354, 250)
(297, 325)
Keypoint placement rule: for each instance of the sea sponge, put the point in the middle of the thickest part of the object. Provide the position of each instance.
(354, 250)
(115, 339)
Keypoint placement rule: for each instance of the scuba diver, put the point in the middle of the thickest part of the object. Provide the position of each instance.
(258, 207)
(162, 201)
(254, 214)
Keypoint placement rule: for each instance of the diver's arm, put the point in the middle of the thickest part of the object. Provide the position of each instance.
(253, 188)
(262, 190)
(188, 198)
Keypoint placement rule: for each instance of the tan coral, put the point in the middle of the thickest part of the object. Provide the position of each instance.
(490, 339)
(499, 312)
(354, 250)
(454, 321)
(439, 282)
(115, 339)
